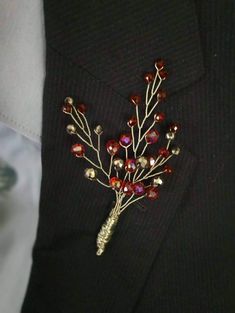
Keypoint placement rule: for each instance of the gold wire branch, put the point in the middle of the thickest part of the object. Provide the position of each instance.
(118, 175)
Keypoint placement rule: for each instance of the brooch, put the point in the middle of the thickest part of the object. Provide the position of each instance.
(136, 174)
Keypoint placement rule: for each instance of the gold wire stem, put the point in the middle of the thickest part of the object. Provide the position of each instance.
(135, 179)
(108, 227)
(90, 143)
(86, 123)
(146, 176)
(84, 140)
(106, 232)
(135, 174)
(110, 165)
(164, 160)
(103, 184)
(143, 136)
(95, 165)
(98, 142)
(145, 147)
(126, 152)
(128, 201)
(157, 164)
(79, 115)
(78, 120)
(131, 202)
(150, 176)
(148, 101)
(133, 137)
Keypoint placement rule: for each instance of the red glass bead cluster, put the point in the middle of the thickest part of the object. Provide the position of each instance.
(131, 184)
(131, 165)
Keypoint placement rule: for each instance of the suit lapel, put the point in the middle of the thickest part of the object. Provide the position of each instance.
(116, 42)
(113, 282)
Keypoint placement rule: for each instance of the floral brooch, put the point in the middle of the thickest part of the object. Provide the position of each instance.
(137, 174)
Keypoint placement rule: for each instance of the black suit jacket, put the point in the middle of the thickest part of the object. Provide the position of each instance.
(172, 255)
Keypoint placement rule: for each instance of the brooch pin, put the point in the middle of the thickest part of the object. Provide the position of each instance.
(137, 175)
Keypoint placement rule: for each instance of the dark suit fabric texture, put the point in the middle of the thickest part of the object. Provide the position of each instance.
(175, 254)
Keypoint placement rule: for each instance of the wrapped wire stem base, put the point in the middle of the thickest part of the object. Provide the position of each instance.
(107, 230)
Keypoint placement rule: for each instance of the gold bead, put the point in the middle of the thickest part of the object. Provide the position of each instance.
(90, 173)
(175, 150)
(118, 164)
(98, 130)
(68, 100)
(156, 181)
(142, 162)
(170, 136)
(71, 129)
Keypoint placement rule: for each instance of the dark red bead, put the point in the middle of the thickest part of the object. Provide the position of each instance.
(115, 183)
(164, 152)
(161, 95)
(135, 99)
(130, 165)
(67, 108)
(125, 140)
(81, 108)
(174, 127)
(163, 74)
(112, 147)
(148, 77)
(127, 188)
(152, 136)
(78, 150)
(152, 193)
(159, 117)
(139, 189)
(168, 169)
(160, 63)
(132, 121)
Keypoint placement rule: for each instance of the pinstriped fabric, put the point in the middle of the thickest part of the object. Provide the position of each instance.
(175, 255)
(199, 250)
(125, 36)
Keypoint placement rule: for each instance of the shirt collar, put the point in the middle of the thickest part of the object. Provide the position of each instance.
(22, 66)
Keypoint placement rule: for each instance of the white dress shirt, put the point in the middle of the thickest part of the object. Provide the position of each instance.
(22, 71)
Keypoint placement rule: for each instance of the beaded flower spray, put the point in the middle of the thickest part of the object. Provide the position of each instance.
(137, 175)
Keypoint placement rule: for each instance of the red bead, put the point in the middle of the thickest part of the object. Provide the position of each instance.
(163, 74)
(127, 188)
(125, 140)
(132, 121)
(159, 117)
(67, 108)
(130, 165)
(168, 169)
(152, 136)
(135, 99)
(161, 95)
(112, 147)
(115, 183)
(148, 77)
(139, 189)
(164, 152)
(81, 108)
(78, 150)
(152, 193)
(160, 63)
(174, 127)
